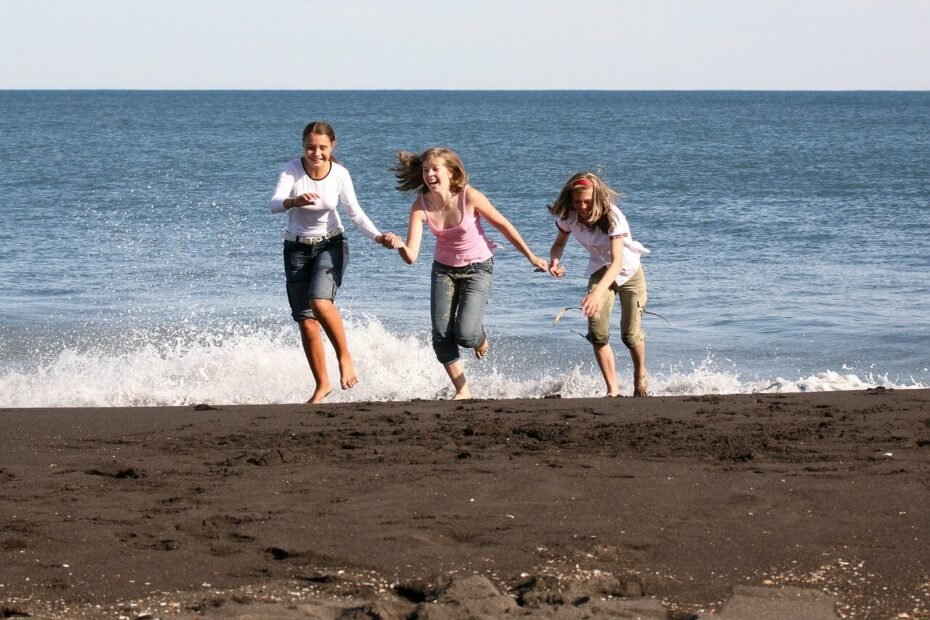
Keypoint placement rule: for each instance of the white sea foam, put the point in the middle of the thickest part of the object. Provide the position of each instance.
(250, 365)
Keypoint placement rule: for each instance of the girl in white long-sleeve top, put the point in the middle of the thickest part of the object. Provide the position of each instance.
(315, 250)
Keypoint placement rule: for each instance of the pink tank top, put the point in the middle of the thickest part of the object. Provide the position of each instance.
(463, 244)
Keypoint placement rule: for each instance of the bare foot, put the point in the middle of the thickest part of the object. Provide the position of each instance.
(463, 395)
(613, 395)
(482, 349)
(319, 394)
(347, 376)
(641, 386)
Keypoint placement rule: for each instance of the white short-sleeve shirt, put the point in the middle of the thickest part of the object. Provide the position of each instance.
(597, 243)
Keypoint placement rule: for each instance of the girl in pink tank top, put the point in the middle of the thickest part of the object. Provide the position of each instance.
(460, 245)
(463, 262)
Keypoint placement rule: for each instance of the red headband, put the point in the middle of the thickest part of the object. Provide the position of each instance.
(583, 183)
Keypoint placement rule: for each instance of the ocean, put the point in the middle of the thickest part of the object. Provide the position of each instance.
(139, 264)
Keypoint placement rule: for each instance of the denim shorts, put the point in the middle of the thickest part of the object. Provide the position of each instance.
(313, 272)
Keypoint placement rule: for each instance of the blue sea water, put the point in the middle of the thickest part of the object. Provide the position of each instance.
(139, 264)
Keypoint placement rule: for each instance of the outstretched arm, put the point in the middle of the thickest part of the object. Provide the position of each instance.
(410, 250)
(555, 269)
(489, 212)
(356, 214)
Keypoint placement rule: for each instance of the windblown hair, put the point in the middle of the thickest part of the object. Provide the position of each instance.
(322, 128)
(603, 197)
(409, 169)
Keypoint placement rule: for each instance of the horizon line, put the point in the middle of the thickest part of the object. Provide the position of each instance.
(483, 90)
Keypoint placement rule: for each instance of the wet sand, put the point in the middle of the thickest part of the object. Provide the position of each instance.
(797, 505)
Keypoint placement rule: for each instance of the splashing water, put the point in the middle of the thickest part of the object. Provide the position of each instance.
(251, 364)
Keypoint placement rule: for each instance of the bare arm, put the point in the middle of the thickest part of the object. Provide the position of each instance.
(410, 250)
(494, 217)
(555, 269)
(591, 302)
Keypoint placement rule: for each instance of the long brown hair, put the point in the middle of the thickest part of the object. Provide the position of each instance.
(603, 197)
(409, 169)
(322, 128)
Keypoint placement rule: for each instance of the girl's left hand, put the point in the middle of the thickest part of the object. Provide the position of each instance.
(591, 304)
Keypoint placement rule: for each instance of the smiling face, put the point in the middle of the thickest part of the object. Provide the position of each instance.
(583, 202)
(436, 176)
(318, 150)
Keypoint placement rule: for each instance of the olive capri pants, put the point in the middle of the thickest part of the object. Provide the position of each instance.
(633, 299)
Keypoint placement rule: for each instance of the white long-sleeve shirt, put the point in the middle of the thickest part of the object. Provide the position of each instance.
(318, 219)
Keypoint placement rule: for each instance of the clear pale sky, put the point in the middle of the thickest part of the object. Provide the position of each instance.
(466, 44)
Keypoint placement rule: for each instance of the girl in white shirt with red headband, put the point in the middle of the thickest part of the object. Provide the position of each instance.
(585, 208)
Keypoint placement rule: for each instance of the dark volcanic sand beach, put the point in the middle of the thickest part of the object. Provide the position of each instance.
(794, 505)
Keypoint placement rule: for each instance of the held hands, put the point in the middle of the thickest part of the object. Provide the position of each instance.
(555, 269)
(390, 241)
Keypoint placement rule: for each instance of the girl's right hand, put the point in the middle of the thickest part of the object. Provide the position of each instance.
(591, 304)
(555, 269)
(305, 199)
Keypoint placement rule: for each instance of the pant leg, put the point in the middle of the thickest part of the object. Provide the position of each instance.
(328, 264)
(599, 324)
(298, 270)
(633, 298)
(474, 290)
(442, 306)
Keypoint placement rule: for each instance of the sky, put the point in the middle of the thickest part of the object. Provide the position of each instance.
(466, 44)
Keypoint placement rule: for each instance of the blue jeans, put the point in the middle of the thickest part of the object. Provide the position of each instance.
(458, 297)
(313, 272)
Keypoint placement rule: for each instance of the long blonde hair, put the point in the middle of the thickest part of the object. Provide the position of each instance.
(603, 198)
(409, 169)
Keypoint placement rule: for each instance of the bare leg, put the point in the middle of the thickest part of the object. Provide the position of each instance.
(640, 379)
(328, 315)
(312, 340)
(456, 372)
(605, 359)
